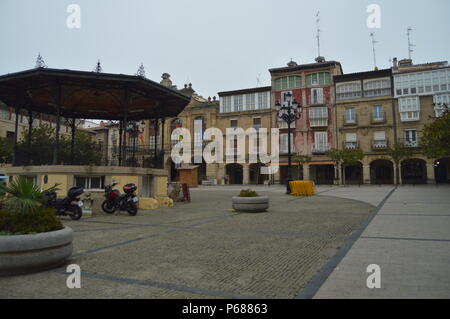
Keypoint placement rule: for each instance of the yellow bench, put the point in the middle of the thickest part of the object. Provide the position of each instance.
(303, 188)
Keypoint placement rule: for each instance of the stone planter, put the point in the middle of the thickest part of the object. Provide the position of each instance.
(31, 253)
(257, 204)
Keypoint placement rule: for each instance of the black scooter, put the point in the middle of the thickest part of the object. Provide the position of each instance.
(66, 206)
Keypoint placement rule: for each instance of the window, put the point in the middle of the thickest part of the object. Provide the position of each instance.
(379, 139)
(351, 141)
(350, 116)
(379, 87)
(409, 108)
(321, 78)
(175, 138)
(318, 116)
(226, 104)
(347, 91)
(441, 101)
(263, 100)
(233, 123)
(317, 96)
(5, 114)
(284, 143)
(250, 101)
(378, 114)
(284, 95)
(321, 142)
(288, 83)
(238, 103)
(90, 182)
(257, 123)
(411, 138)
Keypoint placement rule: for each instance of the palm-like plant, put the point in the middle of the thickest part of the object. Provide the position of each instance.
(23, 196)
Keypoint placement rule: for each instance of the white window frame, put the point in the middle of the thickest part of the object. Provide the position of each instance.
(349, 119)
(318, 116)
(317, 96)
(409, 108)
(88, 181)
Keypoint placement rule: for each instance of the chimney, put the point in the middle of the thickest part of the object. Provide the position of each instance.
(405, 62)
(395, 64)
(166, 81)
(320, 59)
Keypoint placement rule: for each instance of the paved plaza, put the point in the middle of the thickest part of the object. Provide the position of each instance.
(315, 247)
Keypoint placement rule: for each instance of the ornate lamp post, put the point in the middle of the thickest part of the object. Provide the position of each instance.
(134, 128)
(289, 112)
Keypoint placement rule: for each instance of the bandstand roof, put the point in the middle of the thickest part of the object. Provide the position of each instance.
(90, 95)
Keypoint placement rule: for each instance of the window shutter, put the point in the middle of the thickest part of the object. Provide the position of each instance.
(350, 137)
(380, 136)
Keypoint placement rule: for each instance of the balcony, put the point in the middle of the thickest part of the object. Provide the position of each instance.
(411, 143)
(350, 145)
(380, 145)
(378, 118)
(320, 149)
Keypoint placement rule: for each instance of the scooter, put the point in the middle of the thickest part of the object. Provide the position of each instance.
(115, 201)
(66, 206)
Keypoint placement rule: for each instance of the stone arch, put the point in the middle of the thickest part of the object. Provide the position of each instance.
(235, 173)
(381, 172)
(414, 171)
(442, 170)
(354, 174)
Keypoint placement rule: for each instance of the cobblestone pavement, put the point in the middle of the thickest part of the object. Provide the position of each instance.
(203, 249)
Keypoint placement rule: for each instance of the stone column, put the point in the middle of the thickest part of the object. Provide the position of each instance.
(366, 174)
(431, 179)
(220, 174)
(246, 174)
(306, 172)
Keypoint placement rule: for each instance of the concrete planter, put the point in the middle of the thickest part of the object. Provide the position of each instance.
(257, 204)
(31, 253)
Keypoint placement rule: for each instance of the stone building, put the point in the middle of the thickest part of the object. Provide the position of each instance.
(366, 119)
(420, 90)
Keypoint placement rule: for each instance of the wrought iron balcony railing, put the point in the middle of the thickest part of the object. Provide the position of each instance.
(89, 155)
(320, 148)
(380, 145)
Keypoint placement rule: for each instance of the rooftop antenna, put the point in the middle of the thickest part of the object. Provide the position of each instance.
(318, 31)
(410, 45)
(258, 80)
(98, 67)
(40, 62)
(141, 71)
(372, 35)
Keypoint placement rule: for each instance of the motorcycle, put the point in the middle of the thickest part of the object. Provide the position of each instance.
(66, 206)
(115, 201)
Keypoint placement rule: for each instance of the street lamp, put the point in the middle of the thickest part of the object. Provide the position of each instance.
(134, 128)
(289, 112)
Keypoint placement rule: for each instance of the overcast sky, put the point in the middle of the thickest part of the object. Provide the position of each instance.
(216, 45)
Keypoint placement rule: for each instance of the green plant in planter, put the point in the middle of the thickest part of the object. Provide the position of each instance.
(23, 210)
(248, 193)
